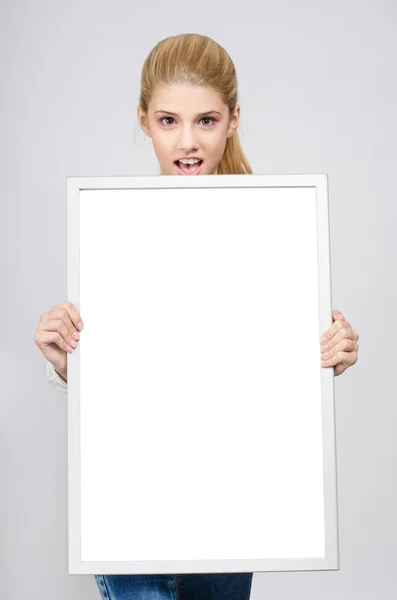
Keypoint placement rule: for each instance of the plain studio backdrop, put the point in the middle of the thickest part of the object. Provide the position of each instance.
(318, 92)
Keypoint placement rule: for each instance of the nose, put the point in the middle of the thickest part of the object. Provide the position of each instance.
(186, 142)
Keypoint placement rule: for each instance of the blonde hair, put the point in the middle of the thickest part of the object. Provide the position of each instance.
(194, 59)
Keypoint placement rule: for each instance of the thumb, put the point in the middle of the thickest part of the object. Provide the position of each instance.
(338, 315)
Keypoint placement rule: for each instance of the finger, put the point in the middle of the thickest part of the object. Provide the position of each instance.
(55, 331)
(64, 314)
(73, 313)
(61, 327)
(339, 369)
(68, 330)
(345, 345)
(344, 331)
(335, 327)
(346, 358)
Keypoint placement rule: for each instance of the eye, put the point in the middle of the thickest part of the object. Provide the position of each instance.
(208, 119)
(172, 119)
(161, 120)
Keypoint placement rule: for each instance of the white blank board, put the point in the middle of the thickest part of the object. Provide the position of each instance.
(201, 423)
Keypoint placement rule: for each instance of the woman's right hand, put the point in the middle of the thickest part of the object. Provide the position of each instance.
(57, 334)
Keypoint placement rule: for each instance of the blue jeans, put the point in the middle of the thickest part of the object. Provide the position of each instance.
(186, 586)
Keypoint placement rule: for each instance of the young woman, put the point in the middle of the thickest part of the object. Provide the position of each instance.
(188, 107)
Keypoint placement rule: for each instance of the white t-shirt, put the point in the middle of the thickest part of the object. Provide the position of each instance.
(54, 379)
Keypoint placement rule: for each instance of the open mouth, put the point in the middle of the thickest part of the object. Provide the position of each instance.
(188, 169)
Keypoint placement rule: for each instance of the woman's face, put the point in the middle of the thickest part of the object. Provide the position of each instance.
(179, 129)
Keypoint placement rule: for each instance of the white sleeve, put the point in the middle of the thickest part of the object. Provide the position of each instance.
(55, 379)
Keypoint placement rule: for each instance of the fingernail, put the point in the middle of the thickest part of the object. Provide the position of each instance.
(322, 339)
(80, 325)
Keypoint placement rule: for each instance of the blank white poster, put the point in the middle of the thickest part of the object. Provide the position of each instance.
(200, 391)
(201, 427)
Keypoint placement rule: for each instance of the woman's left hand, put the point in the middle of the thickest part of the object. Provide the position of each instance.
(339, 347)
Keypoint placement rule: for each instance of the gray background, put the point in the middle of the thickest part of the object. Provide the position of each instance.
(318, 92)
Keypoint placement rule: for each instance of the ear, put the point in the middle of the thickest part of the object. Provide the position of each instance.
(234, 121)
(143, 121)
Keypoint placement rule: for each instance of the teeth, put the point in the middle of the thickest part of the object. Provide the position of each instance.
(191, 161)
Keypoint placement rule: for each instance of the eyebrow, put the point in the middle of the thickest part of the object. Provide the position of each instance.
(209, 112)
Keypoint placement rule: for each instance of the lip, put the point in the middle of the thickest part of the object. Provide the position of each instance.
(188, 157)
(196, 172)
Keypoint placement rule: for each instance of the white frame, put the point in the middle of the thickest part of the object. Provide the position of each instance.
(331, 559)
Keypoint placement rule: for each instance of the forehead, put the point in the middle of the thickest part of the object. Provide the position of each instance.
(185, 99)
